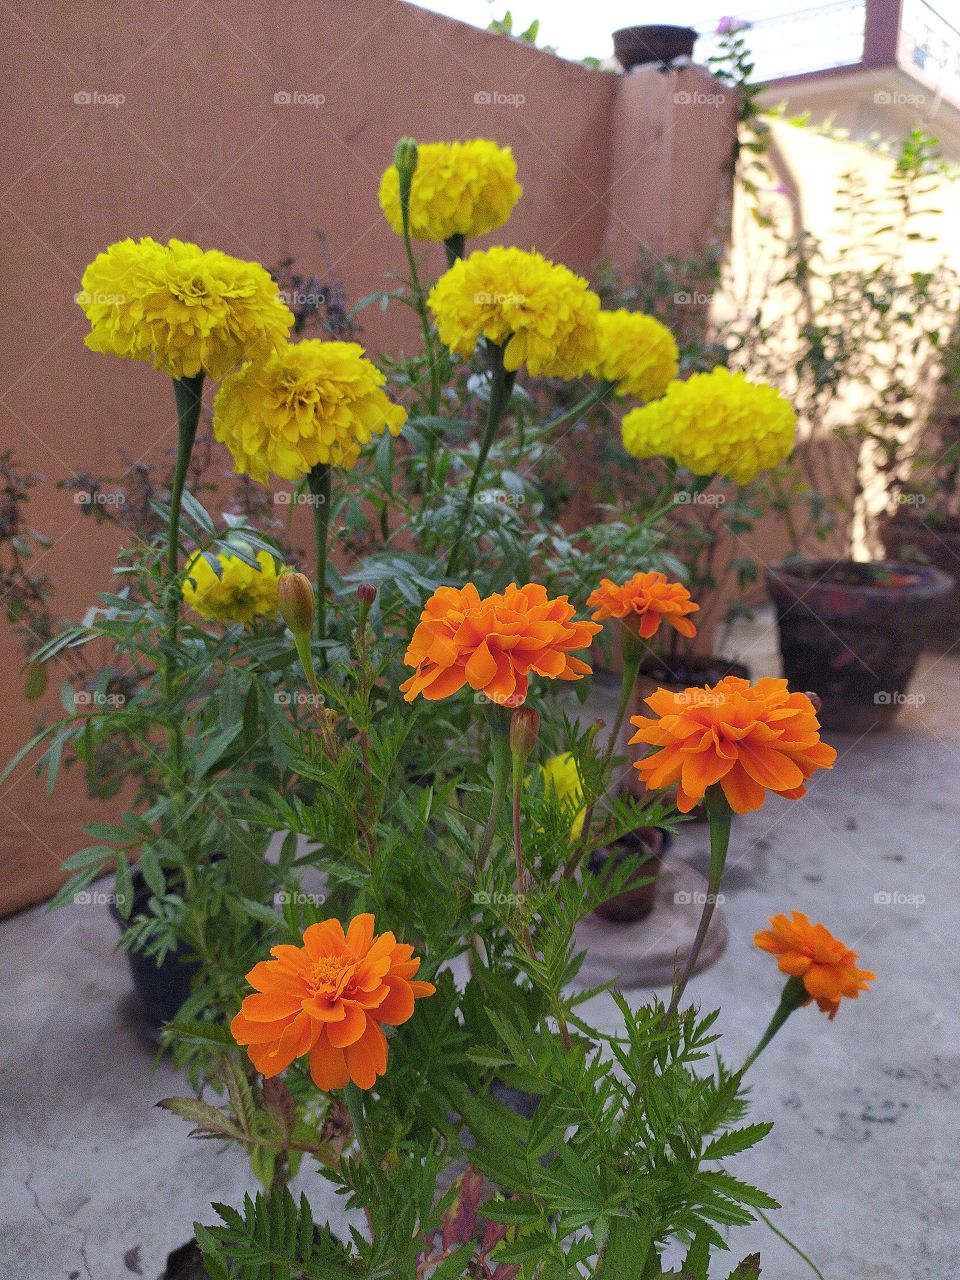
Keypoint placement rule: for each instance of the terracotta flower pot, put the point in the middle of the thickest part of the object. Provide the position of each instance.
(908, 538)
(852, 633)
(643, 849)
(637, 46)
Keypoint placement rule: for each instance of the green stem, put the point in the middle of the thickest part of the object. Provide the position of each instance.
(794, 995)
(719, 816)
(498, 719)
(795, 1247)
(568, 415)
(632, 652)
(454, 246)
(354, 1101)
(420, 303)
(318, 482)
(501, 389)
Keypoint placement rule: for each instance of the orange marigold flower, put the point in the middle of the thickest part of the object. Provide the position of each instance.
(749, 738)
(328, 999)
(811, 952)
(493, 644)
(643, 602)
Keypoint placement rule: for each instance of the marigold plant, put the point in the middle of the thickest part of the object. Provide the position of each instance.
(330, 999)
(643, 602)
(309, 403)
(459, 189)
(541, 313)
(826, 966)
(635, 352)
(237, 593)
(716, 423)
(188, 310)
(748, 738)
(493, 644)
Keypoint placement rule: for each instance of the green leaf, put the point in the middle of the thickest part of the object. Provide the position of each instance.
(736, 1140)
(123, 887)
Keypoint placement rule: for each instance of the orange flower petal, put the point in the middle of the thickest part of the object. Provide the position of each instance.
(367, 1058)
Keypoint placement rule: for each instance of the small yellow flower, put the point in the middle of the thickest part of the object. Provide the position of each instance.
(459, 188)
(715, 423)
(240, 594)
(561, 778)
(311, 402)
(636, 352)
(186, 310)
(539, 311)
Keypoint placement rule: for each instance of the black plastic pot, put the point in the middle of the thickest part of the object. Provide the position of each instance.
(852, 632)
(642, 850)
(637, 46)
(161, 989)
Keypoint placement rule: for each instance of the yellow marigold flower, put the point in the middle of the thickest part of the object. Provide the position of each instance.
(715, 423)
(562, 777)
(185, 309)
(240, 594)
(459, 188)
(539, 311)
(311, 402)
(636, 352)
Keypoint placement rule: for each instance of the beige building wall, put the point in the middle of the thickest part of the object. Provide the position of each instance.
(245, 126)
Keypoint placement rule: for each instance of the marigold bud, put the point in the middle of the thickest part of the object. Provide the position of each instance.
(366, 593)
(295, 598)
(405, 159)
(524, 731)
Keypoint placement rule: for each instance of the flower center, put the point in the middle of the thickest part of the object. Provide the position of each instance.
(330, 975)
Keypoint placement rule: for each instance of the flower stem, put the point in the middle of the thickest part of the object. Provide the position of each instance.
(588, 401)
(351, 1095)
(420, 304)
(454, 246)
(632, 652)
(498, 719)
(794, 995)
(318, 481)
(719, 816)
(501, 388)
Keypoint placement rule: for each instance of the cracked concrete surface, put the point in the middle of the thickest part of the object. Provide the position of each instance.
(96, 1184)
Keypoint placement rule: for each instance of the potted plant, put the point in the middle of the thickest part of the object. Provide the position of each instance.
(638, 46)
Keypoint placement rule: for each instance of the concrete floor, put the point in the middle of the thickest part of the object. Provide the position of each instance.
(864, 1155)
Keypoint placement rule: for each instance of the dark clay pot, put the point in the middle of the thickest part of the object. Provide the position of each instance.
(637, 46)
(644, 848)
(160, 989)
(853, 638)
(911, 540)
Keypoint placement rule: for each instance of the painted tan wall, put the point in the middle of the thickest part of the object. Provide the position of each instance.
(185, 138)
